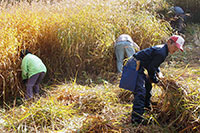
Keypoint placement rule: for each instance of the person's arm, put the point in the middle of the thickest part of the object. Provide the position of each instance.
(154, 67)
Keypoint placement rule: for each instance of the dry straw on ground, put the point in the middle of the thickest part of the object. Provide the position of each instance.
(72, 107)
(173, 109)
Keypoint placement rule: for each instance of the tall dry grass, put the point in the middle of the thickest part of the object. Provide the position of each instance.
(71, 36)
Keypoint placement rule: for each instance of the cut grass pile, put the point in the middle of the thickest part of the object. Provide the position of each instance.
(69, 107)
(107, 108)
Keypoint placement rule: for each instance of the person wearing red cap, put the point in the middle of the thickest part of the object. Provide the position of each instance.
(134, 79)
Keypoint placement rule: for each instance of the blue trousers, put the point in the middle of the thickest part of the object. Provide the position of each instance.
(142, 96)
(120, 49)
(33, 83)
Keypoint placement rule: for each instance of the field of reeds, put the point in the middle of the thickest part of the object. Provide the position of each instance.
(71, 37)
(75, 41)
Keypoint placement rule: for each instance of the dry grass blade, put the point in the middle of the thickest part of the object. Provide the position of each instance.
(98, 124)
(4, 88)
(125, 96)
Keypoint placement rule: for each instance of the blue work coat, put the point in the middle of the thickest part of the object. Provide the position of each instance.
(150, 59)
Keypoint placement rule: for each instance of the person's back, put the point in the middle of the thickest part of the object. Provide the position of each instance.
(124, 37)
(31, 65)
(124, 44)
(178, 10)
(152, 57)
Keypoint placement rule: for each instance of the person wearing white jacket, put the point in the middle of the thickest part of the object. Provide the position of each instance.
(124, 44)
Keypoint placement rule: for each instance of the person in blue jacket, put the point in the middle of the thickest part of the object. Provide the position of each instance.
(134, 79)
(33, 72)
(179, 19)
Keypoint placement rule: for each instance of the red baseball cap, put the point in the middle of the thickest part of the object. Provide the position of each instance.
(179, 41)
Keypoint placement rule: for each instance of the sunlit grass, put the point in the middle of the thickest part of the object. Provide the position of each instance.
(68, 107)
(76, 39)
(73, 36)
(73, 107)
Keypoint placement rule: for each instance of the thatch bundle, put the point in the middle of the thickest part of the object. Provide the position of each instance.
(46, 114)
(172, 108)
(90, 104)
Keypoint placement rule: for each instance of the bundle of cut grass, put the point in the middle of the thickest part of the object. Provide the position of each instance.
(43, 115)
(173, 109)
(99, 124)
(91, 104)
(88, 102)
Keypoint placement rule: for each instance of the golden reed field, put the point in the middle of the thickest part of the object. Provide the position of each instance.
(71, 36)
(75, 41)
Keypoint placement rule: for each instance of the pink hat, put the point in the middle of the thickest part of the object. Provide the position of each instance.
(179, 41)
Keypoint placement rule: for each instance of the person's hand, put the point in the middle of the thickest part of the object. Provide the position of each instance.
(19, 70)
(160, 75)
(150, 79)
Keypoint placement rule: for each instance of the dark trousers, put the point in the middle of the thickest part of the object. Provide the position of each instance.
(142, 96)
(33, 83)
